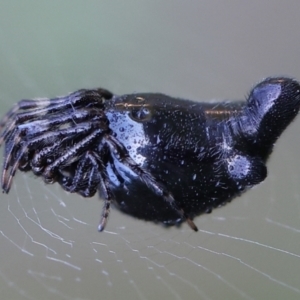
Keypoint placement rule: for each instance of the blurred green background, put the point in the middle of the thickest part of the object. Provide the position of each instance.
(201, 50)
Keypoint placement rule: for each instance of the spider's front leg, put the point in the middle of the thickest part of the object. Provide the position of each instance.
(26, 111)
(39, 128)
(88, 175)
(70, 155)
(82, 177)
(21, 146)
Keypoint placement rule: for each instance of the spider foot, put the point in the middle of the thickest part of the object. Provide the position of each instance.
(191, 224)
(104, 215)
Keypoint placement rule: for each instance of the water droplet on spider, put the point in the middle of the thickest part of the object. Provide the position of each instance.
(121, 129)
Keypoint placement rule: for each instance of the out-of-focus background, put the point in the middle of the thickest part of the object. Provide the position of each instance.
(50, 247)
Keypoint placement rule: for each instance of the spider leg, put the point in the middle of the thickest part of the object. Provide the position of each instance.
(45, 156)
(39, 108)
(90, 173)
(9, 152)
(105, 210)
(65, 137)
(75, 99)
(83, 177)
(119, 152)
(70, 154)
(104, 192)
(20, 118)
(43, 139)
(23, 104)
(97, 177)
(35, 126)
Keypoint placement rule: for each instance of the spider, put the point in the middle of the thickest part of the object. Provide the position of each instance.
(155, 157)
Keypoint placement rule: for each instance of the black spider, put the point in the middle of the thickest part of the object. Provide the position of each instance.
(155, 157)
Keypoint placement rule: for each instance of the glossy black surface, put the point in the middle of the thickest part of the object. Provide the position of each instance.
(155, 157)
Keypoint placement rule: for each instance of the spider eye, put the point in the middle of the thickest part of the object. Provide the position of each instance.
(141, 114)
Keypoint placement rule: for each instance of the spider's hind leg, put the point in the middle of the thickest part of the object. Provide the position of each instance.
(119, 152)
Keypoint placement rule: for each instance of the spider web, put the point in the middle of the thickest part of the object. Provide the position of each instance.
(50, 247)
